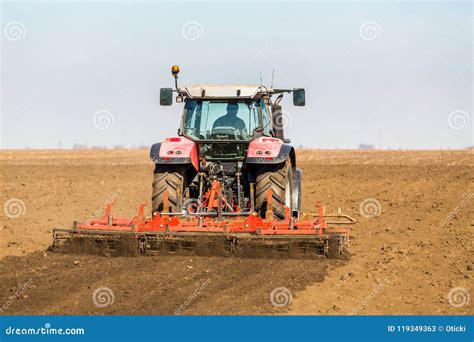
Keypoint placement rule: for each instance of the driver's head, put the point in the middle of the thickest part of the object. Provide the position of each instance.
(232, 109)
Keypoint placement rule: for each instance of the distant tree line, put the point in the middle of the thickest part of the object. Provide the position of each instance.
(363, 146)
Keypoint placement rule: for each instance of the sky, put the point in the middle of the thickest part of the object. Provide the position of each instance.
(396, 75)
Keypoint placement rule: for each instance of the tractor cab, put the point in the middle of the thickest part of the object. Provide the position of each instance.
(221, 123)
(224, 119)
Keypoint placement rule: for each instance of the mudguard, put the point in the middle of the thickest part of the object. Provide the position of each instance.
(175, 150)
(266, 150)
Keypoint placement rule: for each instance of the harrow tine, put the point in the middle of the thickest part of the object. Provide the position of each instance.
(166, 203)
(269, 213)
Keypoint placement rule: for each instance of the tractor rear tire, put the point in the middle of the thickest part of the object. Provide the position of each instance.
(170, 178)
(278, 178)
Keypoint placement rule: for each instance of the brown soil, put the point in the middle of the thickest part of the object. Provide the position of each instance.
(152, 285)
(403, 261)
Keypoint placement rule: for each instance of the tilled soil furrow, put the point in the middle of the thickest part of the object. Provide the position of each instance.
(64, 284)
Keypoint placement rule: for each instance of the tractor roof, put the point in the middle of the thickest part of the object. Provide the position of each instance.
(225, 91)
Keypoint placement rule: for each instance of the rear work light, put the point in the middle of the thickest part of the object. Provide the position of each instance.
(270, 140)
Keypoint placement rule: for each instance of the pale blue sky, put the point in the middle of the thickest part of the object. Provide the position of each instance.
(409, 87)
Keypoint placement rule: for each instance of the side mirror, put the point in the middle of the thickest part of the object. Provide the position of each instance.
(166, 96)
(299, 97)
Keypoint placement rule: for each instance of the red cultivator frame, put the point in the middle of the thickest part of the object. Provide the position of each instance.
(203, 229)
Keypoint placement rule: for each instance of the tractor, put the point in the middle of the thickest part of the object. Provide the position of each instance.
(228, 182)
(230, 142)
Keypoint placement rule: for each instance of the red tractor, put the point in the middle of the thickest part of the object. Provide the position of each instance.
(230, 140)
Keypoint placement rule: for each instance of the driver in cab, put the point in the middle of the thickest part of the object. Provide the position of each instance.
(230, 119)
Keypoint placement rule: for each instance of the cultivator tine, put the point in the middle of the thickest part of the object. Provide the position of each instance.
(252, 197)
(321, 210)
(180, 200)
(108, 208)
(269, 213)
(166, 203)
(219, 205)
(289, 214)
(141, 213)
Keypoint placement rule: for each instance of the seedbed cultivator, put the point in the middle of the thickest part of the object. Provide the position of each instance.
(205, 232)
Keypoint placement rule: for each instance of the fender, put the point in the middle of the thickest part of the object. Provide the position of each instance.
(267, 150)
(175, 150)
